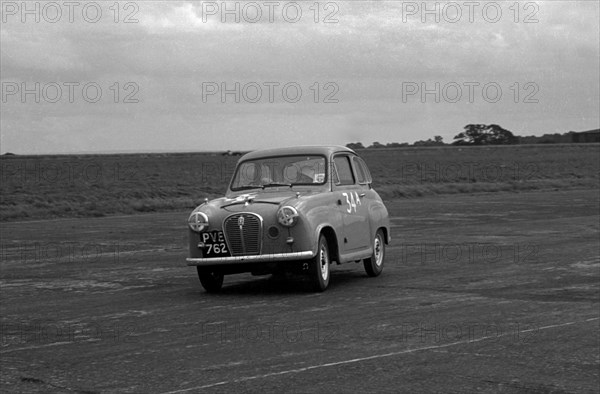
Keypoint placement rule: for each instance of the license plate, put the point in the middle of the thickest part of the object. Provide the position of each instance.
(214, 244)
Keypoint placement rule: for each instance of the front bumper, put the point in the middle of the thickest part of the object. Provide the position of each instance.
(261, 258)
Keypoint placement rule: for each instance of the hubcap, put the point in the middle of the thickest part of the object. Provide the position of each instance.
(324, 262)
(377, 249)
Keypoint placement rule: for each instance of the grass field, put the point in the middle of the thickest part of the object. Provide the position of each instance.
(35, 187)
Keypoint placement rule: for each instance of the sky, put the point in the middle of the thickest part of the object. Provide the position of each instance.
(152, 76)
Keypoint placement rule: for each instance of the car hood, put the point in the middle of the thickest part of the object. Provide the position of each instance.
(244, 201)
(264, 197)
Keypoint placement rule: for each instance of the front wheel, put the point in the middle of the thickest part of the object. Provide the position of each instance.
(374, 264)
(211, 280)
(319, 270)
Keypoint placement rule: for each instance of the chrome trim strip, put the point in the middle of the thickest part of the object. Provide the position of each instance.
(251, 259)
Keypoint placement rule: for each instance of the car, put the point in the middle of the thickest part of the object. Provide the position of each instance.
(291, 210)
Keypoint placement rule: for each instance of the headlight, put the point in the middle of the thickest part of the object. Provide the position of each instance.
(287, 216)
(198, 221)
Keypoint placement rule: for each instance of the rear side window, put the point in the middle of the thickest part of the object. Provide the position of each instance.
(362, 173)
(344, 171)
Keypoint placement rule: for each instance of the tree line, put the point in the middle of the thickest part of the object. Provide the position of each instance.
(481, 134)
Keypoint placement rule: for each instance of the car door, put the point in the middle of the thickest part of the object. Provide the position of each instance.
(350, 203)
(369, 198)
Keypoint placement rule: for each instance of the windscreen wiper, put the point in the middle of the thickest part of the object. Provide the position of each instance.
(276, 184)
(245, 187)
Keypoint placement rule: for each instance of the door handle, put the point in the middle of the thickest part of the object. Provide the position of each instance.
(362, 195)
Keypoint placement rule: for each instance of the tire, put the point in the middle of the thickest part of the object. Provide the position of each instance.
(374, 264)
(212, 281)
(319, 266)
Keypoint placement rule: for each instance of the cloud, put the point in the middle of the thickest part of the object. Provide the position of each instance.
(369, 53)
(163, 18)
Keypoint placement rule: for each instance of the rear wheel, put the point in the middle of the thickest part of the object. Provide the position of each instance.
(212, 281)
(374, 264)
(319, 272)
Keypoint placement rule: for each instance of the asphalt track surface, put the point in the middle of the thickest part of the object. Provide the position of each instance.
(480, 293)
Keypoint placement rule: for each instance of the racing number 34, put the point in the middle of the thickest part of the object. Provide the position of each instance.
(353, 200)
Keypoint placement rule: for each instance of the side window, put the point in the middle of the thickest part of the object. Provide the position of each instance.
(362, 173)
(344, 171)
(334, 176)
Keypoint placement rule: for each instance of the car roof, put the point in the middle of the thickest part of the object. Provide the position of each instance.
(325, 150)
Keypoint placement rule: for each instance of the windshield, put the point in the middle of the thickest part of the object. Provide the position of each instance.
(279, 171)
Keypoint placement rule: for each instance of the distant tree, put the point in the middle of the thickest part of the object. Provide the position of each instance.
(396, 144)
(480, 134)
(428, 142)
(500, 136)
(355, 145)
(437, 141)
(473, 134)
(376, 145)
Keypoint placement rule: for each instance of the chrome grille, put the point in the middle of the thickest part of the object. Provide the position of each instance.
(243, 232)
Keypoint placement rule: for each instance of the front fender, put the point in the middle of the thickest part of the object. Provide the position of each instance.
(322, 217)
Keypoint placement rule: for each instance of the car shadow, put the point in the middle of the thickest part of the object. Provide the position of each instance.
(289, 284)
